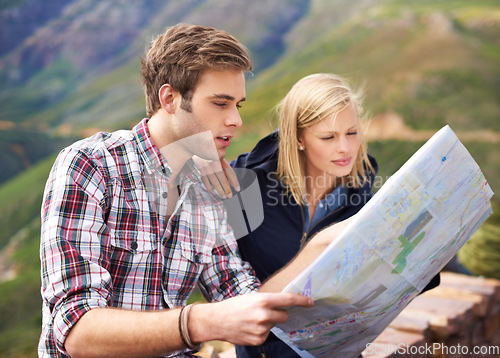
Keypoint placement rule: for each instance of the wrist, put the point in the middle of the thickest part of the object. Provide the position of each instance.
(202, 324)
(184, 329)
(320, 241)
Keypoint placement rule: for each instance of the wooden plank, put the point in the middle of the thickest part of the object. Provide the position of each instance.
(488, 286)
(480, 301)
(408, 344)
(412, 325)
(457, 313)
(439, 323)
(476, 333)
(492, 326)
(380, 350)
(455, 344)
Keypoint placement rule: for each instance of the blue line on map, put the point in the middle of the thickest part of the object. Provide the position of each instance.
(443, 159)
(446, 155)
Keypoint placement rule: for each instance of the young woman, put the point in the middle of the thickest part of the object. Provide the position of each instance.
(313, 171)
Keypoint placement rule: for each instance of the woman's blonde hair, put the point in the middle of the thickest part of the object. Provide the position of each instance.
(310, 100)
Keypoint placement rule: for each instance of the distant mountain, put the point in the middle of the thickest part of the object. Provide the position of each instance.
(69, 42)
(432, 62)
(70, 67)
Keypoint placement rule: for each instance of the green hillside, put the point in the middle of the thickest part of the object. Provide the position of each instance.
(20, 301)
(432, 62)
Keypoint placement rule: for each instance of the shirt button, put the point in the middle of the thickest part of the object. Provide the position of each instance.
(197, 258)
(134, 245)
(164, 195)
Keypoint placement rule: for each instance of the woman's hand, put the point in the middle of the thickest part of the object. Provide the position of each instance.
(217, 175)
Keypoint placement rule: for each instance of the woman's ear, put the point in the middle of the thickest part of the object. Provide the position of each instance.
(167, 95)
(300, 143)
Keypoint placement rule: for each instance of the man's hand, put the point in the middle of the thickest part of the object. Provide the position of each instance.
(244, 320)
(114, 332)
(217, 175)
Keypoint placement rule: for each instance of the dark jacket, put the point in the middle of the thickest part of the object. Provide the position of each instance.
(281, 235)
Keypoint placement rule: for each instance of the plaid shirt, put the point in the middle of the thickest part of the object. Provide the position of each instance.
(106, 242)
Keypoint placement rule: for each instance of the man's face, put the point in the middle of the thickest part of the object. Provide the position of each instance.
(214, 107)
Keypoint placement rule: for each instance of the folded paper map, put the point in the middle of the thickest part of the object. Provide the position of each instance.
(390, 251)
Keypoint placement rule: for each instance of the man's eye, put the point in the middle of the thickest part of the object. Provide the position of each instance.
(218, 104)
(238, 106)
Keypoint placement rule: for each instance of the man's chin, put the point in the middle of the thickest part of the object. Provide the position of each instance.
(221, 153)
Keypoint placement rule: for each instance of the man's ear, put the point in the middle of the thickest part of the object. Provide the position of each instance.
(168, 98)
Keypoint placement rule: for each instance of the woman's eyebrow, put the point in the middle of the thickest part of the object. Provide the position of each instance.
(331, 131)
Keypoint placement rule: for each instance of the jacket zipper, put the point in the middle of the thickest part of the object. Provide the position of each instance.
(305, 233)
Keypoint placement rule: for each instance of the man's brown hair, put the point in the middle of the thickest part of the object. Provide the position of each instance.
(181, 54)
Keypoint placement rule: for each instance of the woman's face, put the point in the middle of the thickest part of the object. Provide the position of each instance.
(331, 145)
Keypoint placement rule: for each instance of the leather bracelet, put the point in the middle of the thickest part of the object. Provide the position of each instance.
(183, 327)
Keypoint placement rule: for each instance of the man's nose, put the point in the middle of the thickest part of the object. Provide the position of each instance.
(234, 119)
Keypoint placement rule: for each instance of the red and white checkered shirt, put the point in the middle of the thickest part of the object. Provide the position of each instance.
(105, 241)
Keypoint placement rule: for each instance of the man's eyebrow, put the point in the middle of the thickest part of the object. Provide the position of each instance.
(226, 96)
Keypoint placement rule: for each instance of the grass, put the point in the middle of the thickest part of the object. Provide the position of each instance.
(481, 254)
(21, 199)
(20, 300)
(108, 101)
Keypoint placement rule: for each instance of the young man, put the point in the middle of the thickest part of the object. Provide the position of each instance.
(122, 247)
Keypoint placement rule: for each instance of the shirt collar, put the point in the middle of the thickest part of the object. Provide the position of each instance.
(156, 162)
(150, 154)
(189, 174)
(336, 198)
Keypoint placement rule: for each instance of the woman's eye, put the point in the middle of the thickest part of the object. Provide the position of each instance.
(352, 133)
(328, 138)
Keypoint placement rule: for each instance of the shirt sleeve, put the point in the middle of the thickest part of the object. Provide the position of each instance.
(74, 240)
(227, 275)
